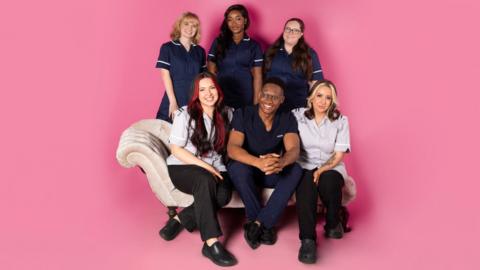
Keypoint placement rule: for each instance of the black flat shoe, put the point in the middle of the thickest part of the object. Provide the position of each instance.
(218, 254)
(171, 229)
(336, 232)
(268, 236)
(252, 233)
(308, 251)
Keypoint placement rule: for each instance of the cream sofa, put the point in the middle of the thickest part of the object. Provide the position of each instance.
(145, 144)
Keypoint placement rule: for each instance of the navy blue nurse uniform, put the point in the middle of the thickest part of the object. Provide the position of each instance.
(183, 66)
(234, 70)
(296, 82)
(258, 141)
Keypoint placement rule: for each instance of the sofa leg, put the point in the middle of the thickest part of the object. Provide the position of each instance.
(344, 216)
(172, 211)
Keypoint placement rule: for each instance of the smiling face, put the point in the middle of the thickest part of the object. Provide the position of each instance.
(236, 22)
(188, 28)
(292, 33)
(270, 98)
(207, 93)
(322, 99)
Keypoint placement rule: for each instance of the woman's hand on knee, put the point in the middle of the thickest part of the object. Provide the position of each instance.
(213, 171)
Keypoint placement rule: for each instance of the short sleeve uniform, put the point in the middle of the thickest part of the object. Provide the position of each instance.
(183, 66)
(234, 70)
(180, 135)
(295, 80)
(320, 142)
(259, 141)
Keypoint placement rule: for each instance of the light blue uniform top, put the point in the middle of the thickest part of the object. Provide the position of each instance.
(320, 141)
(179, 136)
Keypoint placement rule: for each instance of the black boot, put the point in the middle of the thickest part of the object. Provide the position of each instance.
(335, 232)
(269, 236)
(171, 229)
(218, 254)
(252, 233)
(308, 251)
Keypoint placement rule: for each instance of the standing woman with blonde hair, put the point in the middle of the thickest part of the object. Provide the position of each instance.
(180, 60)
(291, 59)
(325, 138)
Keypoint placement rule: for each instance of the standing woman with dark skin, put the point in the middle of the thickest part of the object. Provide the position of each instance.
(291, 59)
(198, 141)
(179, 61)
(325, 138)
(236, 59)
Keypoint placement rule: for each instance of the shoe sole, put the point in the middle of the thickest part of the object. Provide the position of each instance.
(333, 236)
(164, 237)
(308, 260)
(269, 243)
(253, 245)
(206, 254)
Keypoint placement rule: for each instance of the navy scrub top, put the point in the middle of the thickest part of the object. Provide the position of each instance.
(234, 70)
(295, 80)
(259, 141)
(183, 67)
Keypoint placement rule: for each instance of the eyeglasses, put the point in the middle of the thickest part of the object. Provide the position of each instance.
(289, 30)
(266, 96)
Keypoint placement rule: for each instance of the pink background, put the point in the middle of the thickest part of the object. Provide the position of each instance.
(75, 75)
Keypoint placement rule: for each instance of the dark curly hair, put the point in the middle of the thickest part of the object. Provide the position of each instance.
(226, 36)
(301, 56)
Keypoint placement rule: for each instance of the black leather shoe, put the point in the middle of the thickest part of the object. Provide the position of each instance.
(171, 229)
(218, 254)
(308, 251)
(335, 232)
(268, 236)
(252, 233)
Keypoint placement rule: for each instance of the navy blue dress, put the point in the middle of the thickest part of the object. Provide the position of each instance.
(234, 70)
(295, 80)
(183, 67)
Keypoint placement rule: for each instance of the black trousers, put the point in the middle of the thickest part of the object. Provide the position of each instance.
(208, 193)
(330, 190)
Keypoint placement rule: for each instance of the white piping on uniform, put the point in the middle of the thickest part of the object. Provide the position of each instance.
(163, 62)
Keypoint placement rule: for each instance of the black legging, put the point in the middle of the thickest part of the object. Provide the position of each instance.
(209, 195)
(330, 190)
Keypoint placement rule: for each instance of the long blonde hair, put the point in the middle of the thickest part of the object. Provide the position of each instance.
(333, 113)
(175, 34)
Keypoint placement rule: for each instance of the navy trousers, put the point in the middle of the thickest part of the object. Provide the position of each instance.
(246, 180)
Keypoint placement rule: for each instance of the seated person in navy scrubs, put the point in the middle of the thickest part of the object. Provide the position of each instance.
(264, 146)
(295, 62)
(180, 60)
(236, 59)
(325, 139)
(196, 166)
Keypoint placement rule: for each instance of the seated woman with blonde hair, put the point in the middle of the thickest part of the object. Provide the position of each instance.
(325, 138)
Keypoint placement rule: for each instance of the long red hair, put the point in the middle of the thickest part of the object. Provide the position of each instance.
(220, 123)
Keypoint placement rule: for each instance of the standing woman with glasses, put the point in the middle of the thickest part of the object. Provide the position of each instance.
(295, 62)
(180, 60)
(236, 59)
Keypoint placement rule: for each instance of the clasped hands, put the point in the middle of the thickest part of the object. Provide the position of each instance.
(270, 163)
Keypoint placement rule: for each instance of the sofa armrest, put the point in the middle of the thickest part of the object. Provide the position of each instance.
(145, 144)
(349, 191)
